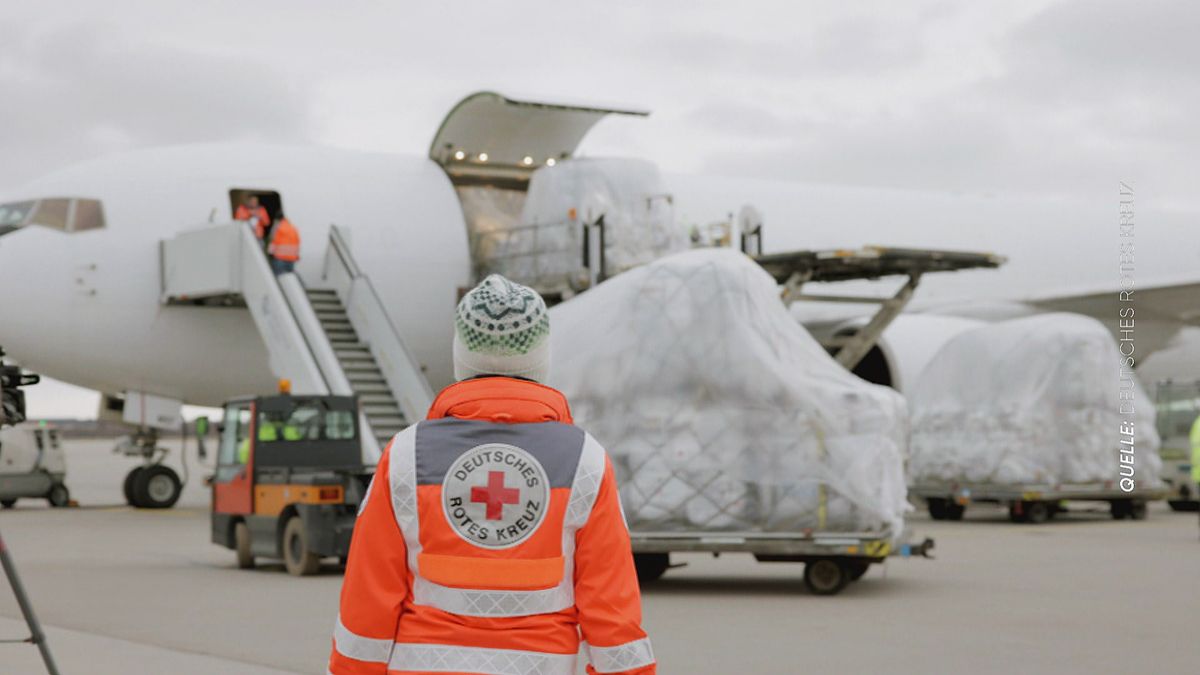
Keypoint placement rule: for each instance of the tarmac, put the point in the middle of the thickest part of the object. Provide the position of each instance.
(127, 591)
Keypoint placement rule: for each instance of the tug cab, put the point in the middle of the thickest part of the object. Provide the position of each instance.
(289, 479)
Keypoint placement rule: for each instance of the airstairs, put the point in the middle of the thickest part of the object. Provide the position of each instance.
(332, 337)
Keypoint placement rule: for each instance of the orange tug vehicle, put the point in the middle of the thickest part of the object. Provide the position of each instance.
(289, 479)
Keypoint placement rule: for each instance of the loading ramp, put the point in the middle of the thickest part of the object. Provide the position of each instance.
(792, 269)
(334, 337)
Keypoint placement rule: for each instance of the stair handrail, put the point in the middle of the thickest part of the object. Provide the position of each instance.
(371, 320)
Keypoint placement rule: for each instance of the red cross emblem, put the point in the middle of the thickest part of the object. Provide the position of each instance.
(495, 495)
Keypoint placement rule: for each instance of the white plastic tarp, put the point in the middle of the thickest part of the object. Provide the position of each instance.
(720, 412)
(545, 247)
(1029, 400)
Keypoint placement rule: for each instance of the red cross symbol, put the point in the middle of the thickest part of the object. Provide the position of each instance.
(495, 495)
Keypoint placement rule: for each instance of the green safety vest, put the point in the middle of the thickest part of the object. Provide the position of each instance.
(1196, 450)
(243, 454)
(270, 432)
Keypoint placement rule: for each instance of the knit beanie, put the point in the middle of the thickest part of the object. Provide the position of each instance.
(502, 328)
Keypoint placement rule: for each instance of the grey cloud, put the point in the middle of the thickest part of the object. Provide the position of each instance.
(1088, 93)
(79, 91)
(852, 45)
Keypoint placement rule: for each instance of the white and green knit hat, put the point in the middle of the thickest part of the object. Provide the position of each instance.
(502, 328)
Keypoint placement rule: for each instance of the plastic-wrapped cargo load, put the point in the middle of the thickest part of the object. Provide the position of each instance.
(1029, 400)
(719, 410)
(544, 248)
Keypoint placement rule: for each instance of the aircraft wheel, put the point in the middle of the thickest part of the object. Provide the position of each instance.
(297, 558)
(59, 496)
(8, 503)
(651, 566)
(128, 486)
(156, 487)
(826, 576)
(241, 540)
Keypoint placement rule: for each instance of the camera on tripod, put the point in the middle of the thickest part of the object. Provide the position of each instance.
(12, 403)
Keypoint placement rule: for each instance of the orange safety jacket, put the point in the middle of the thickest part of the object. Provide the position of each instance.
(285, 241)
(259, 214)
(490, 539)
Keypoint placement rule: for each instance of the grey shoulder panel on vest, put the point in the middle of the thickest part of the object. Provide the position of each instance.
(440, 442)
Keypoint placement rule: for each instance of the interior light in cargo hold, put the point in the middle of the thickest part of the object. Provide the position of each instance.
(483, 156)
(527, 161)
(460, 155)
(550, 162)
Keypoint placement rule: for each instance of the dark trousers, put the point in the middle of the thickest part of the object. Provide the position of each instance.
(282, 266)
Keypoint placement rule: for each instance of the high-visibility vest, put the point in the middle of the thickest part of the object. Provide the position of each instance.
(258, 217)
(285, 241)
(1195, 438)
(490, 538)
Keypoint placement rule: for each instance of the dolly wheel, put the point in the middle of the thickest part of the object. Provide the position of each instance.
(651, 566)
(1121, 509)
(241, 541)
(825, 576)
(298, 559)
(1036, 512)
(954, 510)
(1137, 509)
(937, 507)
(8, 503)
(857, 568)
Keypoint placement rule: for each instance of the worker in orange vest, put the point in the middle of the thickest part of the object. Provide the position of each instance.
(254, 213)
(491, 537)
(284, 249)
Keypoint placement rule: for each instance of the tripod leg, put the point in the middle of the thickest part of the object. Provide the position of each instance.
(37, 637)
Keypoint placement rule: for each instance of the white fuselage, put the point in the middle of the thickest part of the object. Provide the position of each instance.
(84, 307)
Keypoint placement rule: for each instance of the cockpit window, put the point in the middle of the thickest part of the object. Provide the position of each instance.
(88, 215)
(58, 213)
(14, 214)
(52, 213)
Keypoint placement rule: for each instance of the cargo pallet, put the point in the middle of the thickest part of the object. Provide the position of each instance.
(831, 559)
(1033, 503)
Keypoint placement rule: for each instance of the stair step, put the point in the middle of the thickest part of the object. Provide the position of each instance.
(320, 291)
(380, 409)
(360, 366)
(369, 387)
(378, 399)
(347, 352)
(366, 376)
(332, 324)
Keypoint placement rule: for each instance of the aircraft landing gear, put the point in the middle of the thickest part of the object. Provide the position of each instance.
(152, 485)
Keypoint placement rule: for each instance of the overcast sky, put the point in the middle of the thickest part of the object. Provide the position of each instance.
(988, 97)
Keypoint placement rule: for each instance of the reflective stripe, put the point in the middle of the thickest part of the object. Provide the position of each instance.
(360, 648)
(586, 485)
(402, 477)
(635, 654)
(448, 659)
(471, 602)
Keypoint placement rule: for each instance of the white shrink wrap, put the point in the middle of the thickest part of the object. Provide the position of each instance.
(1029, 400)
(719, 410)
